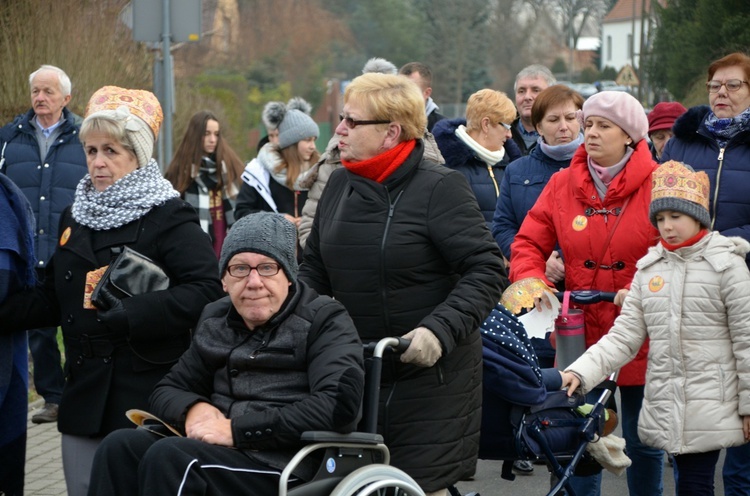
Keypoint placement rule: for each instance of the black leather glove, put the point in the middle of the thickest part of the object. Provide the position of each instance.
(115, 317)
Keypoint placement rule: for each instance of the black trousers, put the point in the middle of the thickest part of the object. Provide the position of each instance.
(695, 473)
(138, 462)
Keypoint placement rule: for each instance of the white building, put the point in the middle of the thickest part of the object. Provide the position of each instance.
(621, 33)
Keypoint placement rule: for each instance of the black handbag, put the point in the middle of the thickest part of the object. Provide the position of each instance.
(131, 273)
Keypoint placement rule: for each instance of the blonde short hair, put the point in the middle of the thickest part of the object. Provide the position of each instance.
(489, 103)
(392, 98)
(112, 128)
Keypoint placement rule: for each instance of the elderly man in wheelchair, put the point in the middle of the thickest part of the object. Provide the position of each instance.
(268, 362)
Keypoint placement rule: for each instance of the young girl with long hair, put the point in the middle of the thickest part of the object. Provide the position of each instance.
(206, 172)
(269, 179)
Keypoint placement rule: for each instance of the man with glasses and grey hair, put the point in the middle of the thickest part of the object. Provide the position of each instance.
(530, 81)
(40, 152)
(269, 361)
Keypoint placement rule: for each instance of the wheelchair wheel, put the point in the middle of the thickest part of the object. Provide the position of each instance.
(377, 479)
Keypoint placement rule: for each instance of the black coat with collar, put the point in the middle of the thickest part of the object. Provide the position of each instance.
(109, 371)
(414, 251)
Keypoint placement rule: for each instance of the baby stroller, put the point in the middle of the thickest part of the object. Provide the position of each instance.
(521, 419)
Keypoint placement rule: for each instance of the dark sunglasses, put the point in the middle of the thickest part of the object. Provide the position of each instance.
(590, 264)
(352, 123)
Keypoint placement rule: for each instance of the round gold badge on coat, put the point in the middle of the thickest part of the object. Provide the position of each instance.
(65, 236)
(580, 222)
(656, 284)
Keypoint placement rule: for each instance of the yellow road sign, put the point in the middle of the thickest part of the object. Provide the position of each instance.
(627, 77)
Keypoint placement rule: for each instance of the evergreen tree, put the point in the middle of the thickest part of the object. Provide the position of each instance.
(693, 33)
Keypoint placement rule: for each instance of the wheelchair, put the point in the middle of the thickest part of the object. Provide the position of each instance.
(355, 463)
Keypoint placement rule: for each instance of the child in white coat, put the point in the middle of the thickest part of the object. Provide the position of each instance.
(691, 298)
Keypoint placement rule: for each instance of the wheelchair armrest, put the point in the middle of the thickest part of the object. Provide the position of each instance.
(337, 437)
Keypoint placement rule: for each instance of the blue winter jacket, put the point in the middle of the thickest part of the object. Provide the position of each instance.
(484, 181)
(522, 184)
(728, 169)
(48, 184)
(16, 273)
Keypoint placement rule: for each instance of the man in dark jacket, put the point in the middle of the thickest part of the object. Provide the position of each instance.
(530, 81)
(268, 362)
(41, 153)
(422, 75)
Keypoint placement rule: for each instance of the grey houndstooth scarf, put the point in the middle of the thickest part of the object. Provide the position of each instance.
(128, 199)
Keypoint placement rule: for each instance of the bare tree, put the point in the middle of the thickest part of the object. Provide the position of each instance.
(460, 36)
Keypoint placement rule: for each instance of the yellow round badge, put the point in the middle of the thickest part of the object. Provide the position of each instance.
(580, 222)
(65, 236)
(656, 284)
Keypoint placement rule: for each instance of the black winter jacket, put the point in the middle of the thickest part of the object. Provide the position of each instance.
(49, 183)
(414, 251)
(301, 371)
(110, 370)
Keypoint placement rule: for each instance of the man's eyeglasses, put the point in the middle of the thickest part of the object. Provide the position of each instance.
(506, 126)
(731, 84)
(352, 123)
(243, 270)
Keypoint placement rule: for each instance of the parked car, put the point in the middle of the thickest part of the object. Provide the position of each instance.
(585, 89)
(609, 85)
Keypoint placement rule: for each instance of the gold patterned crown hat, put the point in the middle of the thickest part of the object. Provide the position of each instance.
(677, 187)
(138, 110)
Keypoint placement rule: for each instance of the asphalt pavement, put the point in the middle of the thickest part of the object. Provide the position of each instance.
(44, 474)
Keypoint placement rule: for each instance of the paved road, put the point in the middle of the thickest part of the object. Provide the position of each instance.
(44, 475)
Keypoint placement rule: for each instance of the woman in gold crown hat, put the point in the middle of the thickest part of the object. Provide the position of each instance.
(115, 355)
(690, 298)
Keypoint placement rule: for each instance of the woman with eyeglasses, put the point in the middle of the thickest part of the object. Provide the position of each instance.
(596, 211)
(716, 139)
(481, 145)
(400, 241)
(269, 179)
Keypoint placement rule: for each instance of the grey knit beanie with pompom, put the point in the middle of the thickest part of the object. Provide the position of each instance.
(296, 123)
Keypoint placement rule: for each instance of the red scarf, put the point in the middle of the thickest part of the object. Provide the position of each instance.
(689, 242)
(379, 167)
(218, 221)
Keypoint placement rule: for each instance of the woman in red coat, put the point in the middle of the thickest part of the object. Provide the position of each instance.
(597, 211)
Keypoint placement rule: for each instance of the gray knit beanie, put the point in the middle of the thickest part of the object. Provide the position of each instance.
(677, 187)
(267, 233)
(295, 127)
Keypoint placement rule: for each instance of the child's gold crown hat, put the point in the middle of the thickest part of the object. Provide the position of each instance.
(677, 187)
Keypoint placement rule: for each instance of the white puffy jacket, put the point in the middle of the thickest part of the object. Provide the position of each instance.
(694, 306)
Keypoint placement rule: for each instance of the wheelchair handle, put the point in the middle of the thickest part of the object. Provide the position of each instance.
(372, 385)
(393, 344)
(588, 296)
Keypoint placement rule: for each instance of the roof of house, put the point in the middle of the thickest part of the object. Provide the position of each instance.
(626, 10)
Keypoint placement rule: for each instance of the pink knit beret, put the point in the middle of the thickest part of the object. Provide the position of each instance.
(622, 109)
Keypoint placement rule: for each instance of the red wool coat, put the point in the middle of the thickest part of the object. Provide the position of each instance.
(560, 217)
